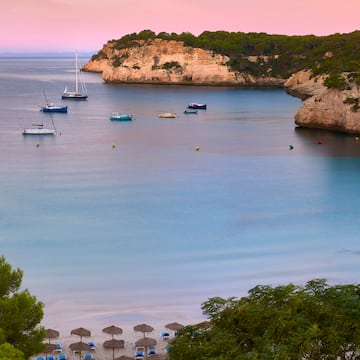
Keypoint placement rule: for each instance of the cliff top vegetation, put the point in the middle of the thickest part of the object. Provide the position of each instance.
(262, 54)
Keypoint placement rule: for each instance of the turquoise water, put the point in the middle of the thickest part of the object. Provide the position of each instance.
(127, 221)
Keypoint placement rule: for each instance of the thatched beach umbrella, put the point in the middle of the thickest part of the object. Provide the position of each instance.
(112, 330)
(51, 334)
(49, 348)
(146, 343)
(144, 328)
(114, 344)
(174, 326)
(79, 347)
(124, 357)
(82, 332)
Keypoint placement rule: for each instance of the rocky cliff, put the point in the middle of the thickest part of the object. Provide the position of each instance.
(169, 62)
(323, 108)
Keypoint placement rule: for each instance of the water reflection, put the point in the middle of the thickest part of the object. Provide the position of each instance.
(318, 142)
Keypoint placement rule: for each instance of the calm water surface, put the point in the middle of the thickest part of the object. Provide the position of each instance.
(120, 222)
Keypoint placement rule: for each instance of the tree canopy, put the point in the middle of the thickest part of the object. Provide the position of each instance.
(315, 321)
(20, 316)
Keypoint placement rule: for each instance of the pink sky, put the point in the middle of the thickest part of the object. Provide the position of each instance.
(85, 25)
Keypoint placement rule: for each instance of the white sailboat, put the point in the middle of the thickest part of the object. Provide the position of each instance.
(39, 129)
(78, 94)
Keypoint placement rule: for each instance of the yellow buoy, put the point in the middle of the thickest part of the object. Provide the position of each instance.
(37, 144)
(197, 148)
(357, 138)
(113, 146)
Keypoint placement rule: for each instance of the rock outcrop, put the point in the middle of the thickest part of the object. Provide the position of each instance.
(331, 109)
(170, 62)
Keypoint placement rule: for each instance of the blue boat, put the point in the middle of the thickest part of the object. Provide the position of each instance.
(190, 111)
(53, 108)
(121, 117)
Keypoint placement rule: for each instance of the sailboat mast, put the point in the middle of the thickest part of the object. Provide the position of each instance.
(76, 73)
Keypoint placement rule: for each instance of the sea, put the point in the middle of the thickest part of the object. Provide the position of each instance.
(143, 221)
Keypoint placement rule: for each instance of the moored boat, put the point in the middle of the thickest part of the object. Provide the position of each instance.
(50, 107)
(76, 95)
(121, 117)
(197, 106)
(38, 129)
(167, 115)
(190, 111)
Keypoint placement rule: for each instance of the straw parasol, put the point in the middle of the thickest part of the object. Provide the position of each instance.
(146, 342)
(144, 328)
(79, 346)
(82, 332)
(114, 344)
(174, 326)
(124, 357)
(51, 334)
(112, 330)
(49, 348)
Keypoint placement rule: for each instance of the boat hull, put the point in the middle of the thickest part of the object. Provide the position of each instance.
(122, 117)
(55, 109)
(70, 96)
(190, 112)
(197, 106)
(42, 131)
(167, 116)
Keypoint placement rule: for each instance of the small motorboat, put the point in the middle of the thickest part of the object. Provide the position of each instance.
(167, 115)
(190, 111)
(197, 106)
(121, 117)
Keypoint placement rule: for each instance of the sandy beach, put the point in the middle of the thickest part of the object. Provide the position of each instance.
(98, 337)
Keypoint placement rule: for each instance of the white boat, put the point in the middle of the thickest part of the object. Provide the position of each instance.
(167, 115)
(39, 129)
(80, 92)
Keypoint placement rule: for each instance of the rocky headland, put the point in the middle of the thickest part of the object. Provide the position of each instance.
(324, 108)
(162, 61)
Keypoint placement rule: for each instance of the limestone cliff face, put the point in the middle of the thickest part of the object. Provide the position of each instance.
(325, 108)
(170, 62)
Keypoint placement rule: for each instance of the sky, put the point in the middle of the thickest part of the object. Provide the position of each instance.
(86, 25)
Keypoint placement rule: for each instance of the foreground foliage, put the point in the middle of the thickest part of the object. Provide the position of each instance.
(20, 316)
(317, 321)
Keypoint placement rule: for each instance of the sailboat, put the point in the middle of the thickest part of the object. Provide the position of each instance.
(39, 129)
(76, 95)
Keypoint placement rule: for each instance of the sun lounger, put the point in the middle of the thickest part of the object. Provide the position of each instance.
(62, 357)
(59, 347)
(152, 352)
(50, 357)
(88, 356)
(92, 345)
(139, 353)
(165, 335)
(40, 358)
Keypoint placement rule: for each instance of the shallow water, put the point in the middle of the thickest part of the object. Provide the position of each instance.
(127, 222)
